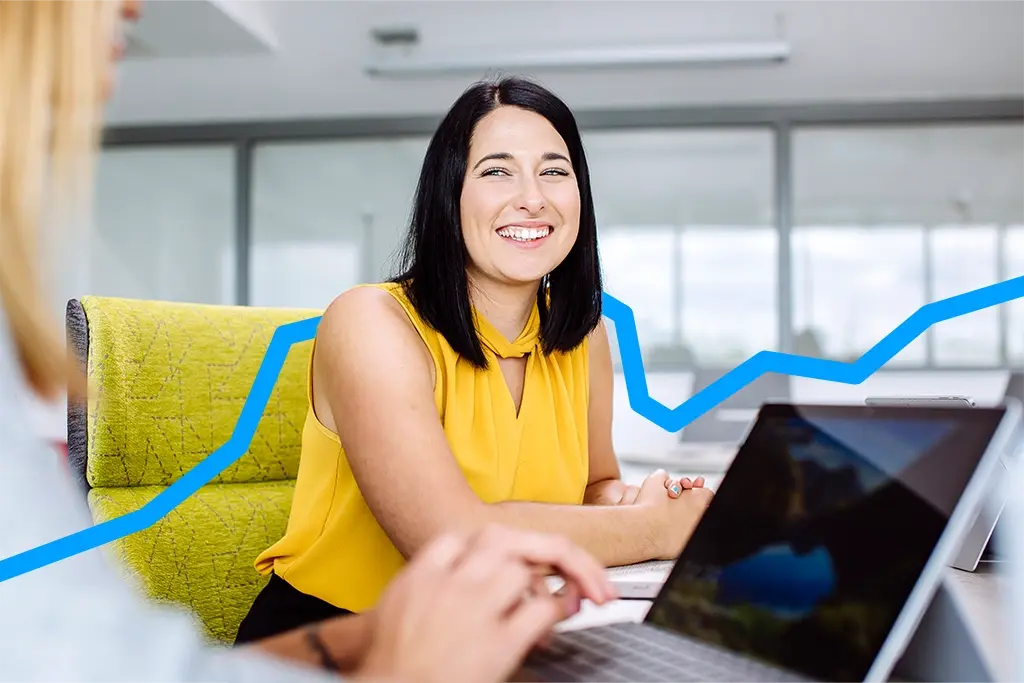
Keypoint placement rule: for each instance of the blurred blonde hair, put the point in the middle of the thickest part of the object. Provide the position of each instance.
(54, 59)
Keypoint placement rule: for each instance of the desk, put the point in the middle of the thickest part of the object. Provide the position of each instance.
(983, 596)
(980, 594)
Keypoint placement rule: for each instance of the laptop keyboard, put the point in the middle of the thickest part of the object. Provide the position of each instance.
(637, 653)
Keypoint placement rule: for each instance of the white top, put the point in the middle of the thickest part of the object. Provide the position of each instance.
(79, 619)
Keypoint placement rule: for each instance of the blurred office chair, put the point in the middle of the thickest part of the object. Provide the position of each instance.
(167, 383)
(728, 421)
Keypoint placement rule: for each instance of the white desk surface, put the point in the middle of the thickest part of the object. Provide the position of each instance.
(983, 595)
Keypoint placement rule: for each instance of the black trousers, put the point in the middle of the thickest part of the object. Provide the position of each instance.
(281, 607)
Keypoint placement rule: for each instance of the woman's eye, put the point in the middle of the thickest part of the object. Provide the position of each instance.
(504, 172)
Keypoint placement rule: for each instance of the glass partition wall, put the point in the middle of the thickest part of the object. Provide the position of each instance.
(725, 232)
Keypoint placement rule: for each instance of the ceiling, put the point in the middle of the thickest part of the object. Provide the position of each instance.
(192, 31)
(234, 60)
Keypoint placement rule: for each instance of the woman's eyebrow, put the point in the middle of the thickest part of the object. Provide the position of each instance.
(505, 156)
(502, 156)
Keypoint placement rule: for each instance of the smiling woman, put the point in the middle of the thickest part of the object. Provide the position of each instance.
(474, 387)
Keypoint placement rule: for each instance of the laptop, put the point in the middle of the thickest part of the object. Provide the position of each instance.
(728, 422)
(709, 443)
(816, 559)
(982, 544)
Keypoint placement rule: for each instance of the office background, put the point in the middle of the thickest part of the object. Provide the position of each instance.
(808, 206)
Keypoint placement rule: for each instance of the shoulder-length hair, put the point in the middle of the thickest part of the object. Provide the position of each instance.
(433, 259)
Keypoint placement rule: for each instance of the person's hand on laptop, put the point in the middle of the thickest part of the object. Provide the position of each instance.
(470, 607)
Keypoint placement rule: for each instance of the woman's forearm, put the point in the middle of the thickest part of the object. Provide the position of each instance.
(614, 534)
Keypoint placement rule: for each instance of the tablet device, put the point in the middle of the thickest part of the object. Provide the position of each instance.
(937, 401)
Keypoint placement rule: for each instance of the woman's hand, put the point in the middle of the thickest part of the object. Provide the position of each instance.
(675, 489)
(676, 515)
(470, 607)
(616, 492)
(677, 486)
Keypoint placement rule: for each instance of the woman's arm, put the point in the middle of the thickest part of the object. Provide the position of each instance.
(373, 384)
(605, 485)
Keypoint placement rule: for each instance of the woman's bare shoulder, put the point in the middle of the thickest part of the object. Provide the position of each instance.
(369, 323)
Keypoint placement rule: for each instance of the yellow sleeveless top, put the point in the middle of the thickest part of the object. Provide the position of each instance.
(333, 547)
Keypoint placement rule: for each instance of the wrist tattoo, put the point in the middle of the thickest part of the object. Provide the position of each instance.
(316, 643)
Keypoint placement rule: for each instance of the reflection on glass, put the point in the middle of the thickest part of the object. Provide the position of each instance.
(852, 286)
(807, 558)
(964, 258)
(681, 215)
(637, 265)
(729, 293)
(327, 215)
(878, 188)
(164, 224)
(327, 269)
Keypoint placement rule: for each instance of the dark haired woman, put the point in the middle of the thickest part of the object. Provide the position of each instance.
(475, 387)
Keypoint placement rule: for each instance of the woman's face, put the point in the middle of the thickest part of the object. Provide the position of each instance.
(128, 11)
(520, 205)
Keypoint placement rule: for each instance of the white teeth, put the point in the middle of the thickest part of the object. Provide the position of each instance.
(521, 234)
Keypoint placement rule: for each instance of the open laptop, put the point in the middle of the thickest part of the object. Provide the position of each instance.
(709, 443)
(729, 421)
(816, 559)
(980, 544)
(983, 544)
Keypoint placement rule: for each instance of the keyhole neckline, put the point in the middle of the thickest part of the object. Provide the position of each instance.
(494, 340)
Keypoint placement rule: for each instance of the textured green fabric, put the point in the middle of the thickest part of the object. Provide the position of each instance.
(167, 384)
(201, 554)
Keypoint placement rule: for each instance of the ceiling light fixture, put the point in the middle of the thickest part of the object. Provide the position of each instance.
(414, 63)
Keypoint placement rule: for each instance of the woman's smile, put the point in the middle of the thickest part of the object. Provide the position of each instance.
(525, 234)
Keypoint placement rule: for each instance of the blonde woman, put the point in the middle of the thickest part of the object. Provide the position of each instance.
(462, 610)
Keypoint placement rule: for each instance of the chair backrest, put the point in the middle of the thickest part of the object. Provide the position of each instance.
(167, 382)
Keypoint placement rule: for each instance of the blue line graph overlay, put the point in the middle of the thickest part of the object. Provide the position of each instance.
(674, 419)
(640, 400)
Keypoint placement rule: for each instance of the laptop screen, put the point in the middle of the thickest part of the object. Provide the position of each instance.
(820, 530)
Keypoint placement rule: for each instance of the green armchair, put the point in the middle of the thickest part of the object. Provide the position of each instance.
(167, 382)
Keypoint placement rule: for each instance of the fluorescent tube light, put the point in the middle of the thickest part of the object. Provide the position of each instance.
(424, 64)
